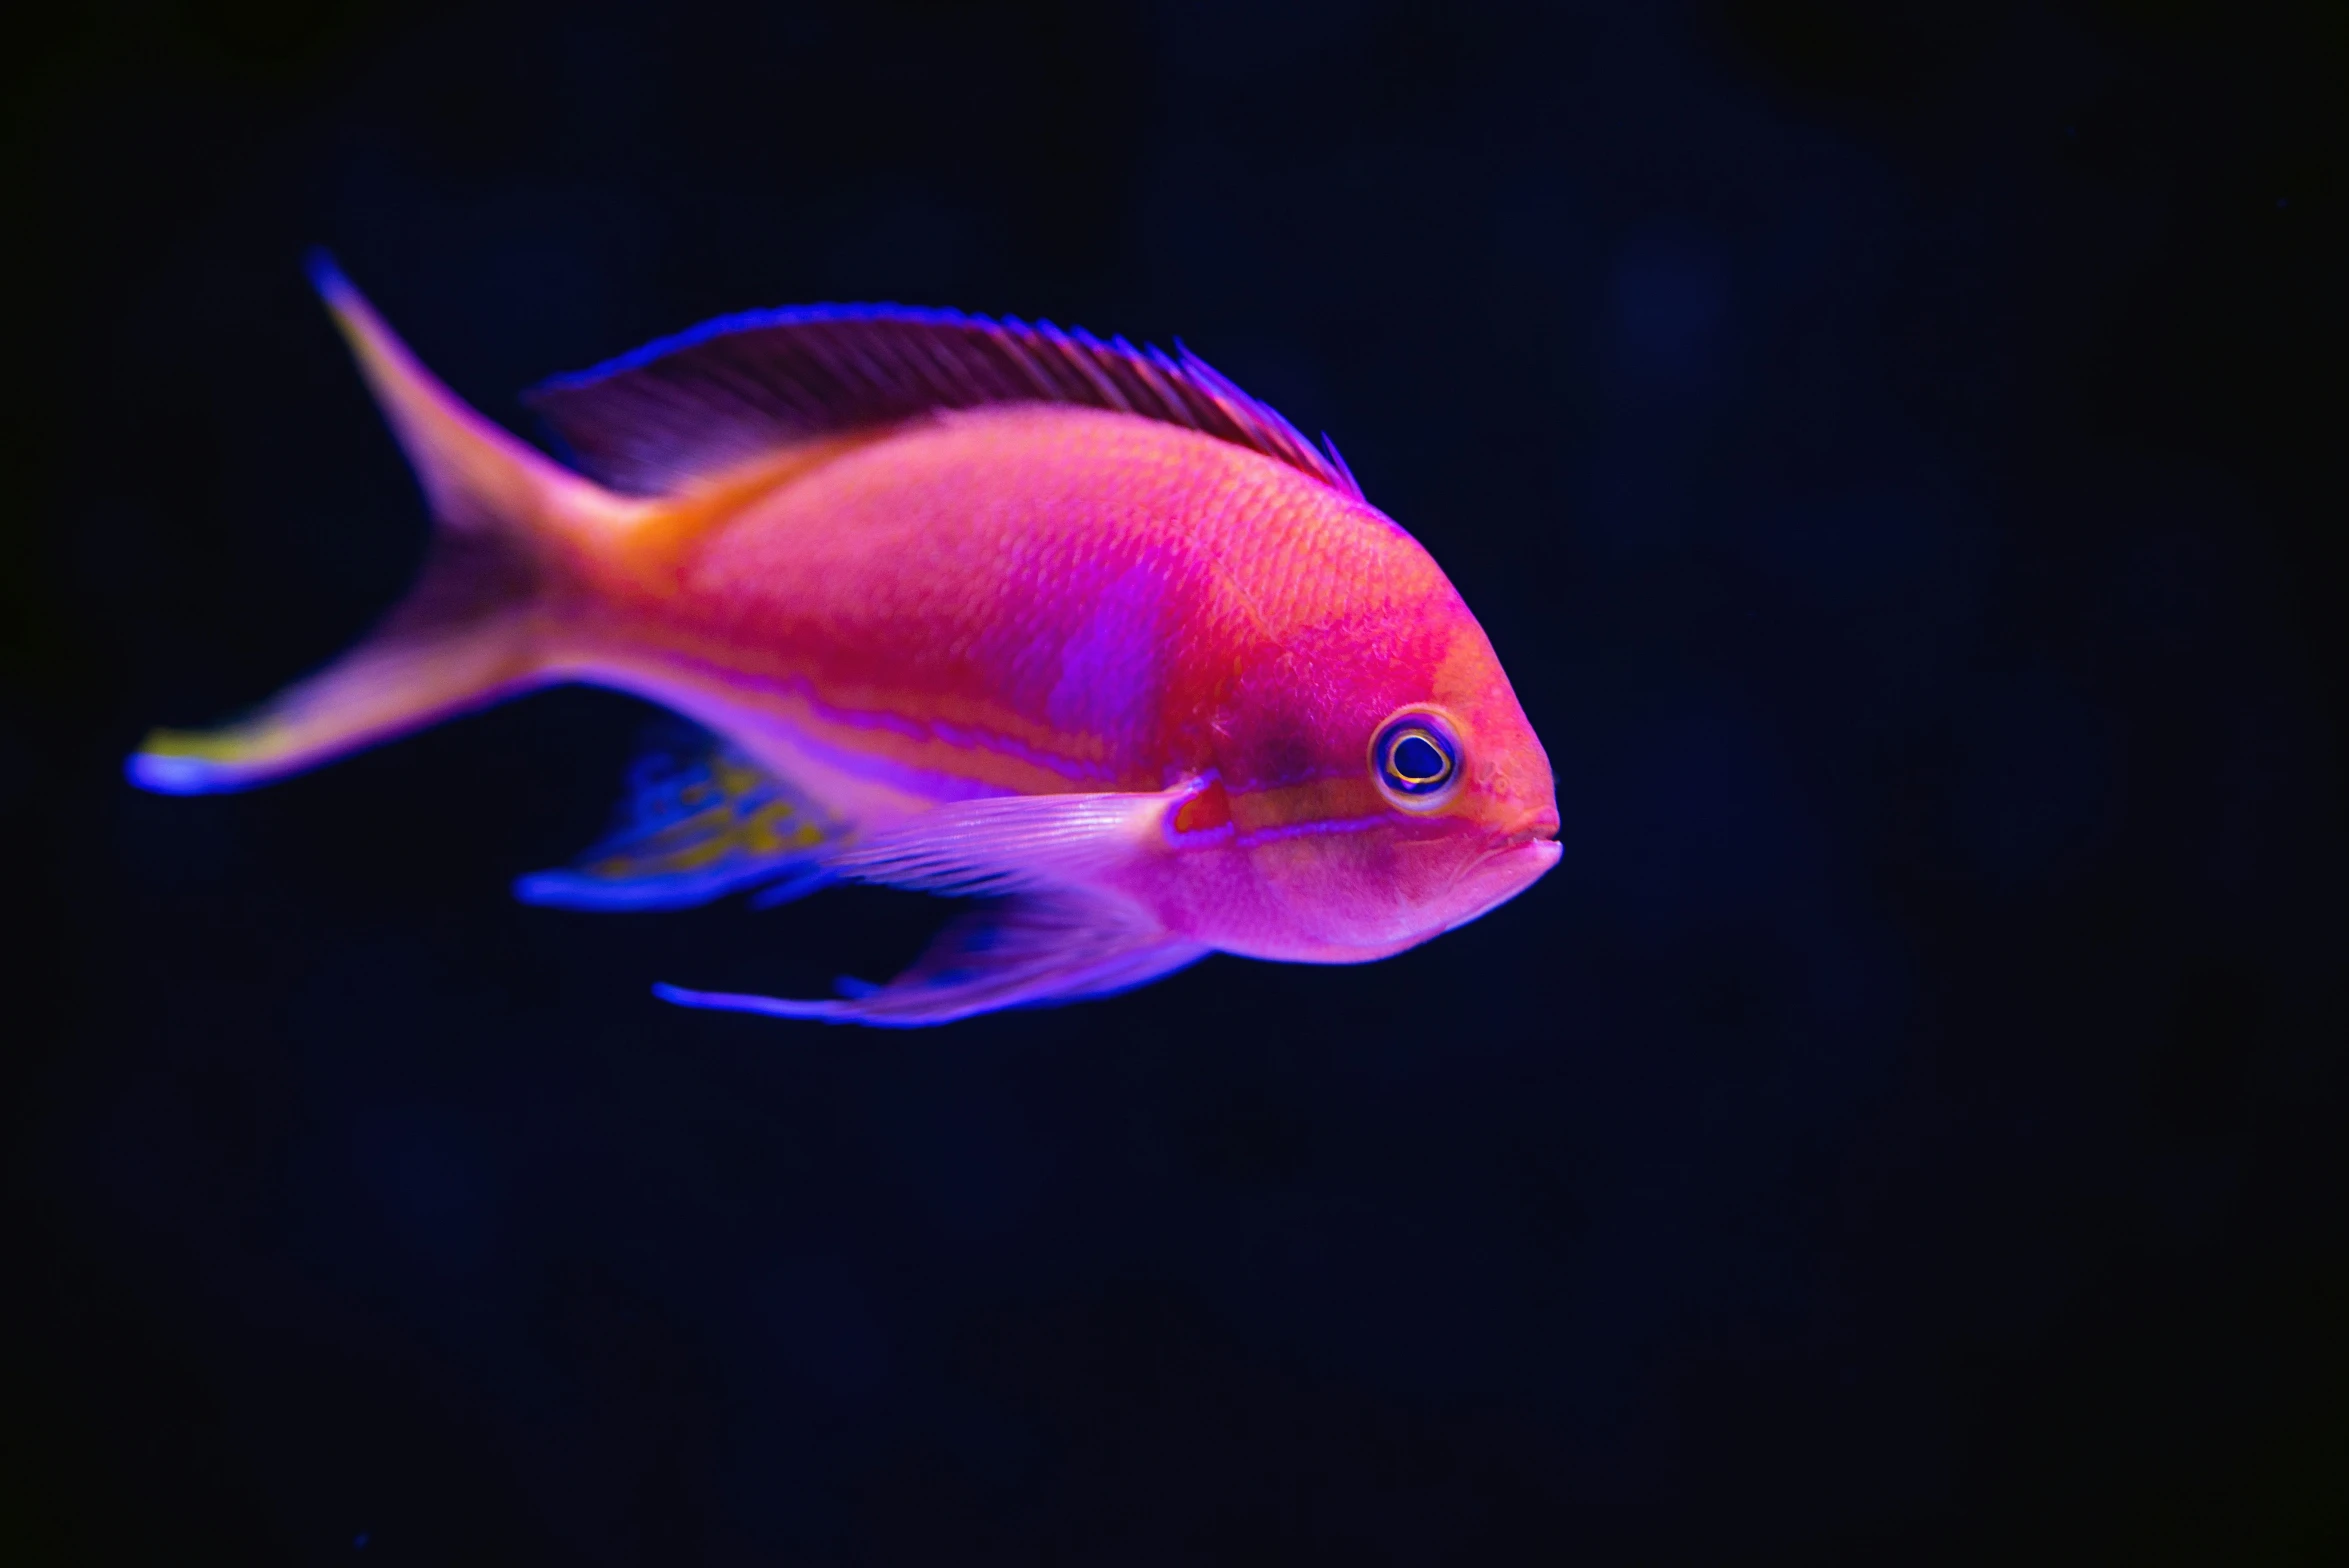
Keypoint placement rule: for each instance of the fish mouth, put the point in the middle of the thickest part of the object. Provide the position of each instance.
(1538, 826)
(1505, 871)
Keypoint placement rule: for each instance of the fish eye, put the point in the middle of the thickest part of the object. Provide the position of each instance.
(1415, 760)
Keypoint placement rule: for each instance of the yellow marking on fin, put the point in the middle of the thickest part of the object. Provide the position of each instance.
(710, 834)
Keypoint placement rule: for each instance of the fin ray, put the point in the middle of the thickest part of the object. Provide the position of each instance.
(1013, 843)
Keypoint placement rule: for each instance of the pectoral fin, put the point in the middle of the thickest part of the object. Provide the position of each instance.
(1009, 843)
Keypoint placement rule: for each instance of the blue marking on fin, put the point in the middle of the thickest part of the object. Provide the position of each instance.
(319, 265)
(170, 775)
(733, 389)
(700, 821)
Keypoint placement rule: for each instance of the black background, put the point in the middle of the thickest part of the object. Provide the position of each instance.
(1895, 450)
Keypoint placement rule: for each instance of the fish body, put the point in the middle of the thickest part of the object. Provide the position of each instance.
(1073, 626)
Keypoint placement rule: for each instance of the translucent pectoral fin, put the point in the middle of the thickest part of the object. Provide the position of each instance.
(700, 821)
(1031, 950)
(1014, 843)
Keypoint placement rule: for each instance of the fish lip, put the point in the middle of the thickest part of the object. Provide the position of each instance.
(1544, 848)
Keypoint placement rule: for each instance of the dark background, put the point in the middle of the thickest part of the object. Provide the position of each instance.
(1896, 451)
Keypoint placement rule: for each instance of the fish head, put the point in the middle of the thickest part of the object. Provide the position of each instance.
(1388, 788)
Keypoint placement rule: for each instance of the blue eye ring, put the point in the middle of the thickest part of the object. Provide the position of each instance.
(1415, 758)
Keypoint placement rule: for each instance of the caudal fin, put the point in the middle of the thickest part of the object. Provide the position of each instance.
(474, 629)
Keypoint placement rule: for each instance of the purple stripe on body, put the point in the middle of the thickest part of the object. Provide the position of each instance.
(1311, 829)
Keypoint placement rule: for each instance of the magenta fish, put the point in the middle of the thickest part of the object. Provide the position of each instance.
(972, 606)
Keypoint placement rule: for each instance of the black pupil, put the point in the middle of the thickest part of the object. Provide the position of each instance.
(1416, 760)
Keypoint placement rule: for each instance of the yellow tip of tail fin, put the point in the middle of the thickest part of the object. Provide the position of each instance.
(511, 520)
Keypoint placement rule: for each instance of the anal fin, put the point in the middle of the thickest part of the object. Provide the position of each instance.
(1036, 949)
(700, 821)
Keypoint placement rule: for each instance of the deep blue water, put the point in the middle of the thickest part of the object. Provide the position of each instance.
(1890, 449)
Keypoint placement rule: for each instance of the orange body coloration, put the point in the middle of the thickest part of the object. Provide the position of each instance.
(1159, 681)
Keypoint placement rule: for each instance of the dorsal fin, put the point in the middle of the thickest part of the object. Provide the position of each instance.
(735, 388)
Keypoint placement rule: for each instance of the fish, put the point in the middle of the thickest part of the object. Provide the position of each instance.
(1078, 632)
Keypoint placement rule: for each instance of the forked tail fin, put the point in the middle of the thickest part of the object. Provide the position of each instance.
(509, 524)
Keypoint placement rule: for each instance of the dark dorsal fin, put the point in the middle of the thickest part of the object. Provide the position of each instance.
(739, 386)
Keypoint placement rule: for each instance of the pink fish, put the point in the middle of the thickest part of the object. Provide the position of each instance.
(971, 606)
